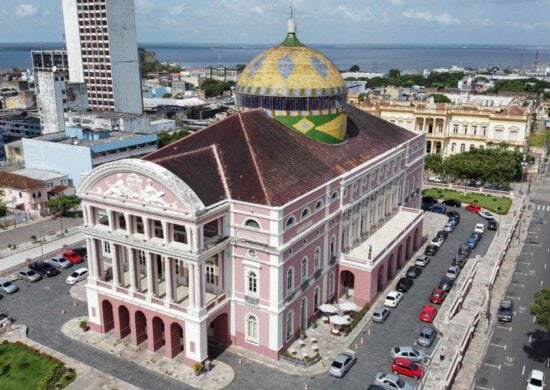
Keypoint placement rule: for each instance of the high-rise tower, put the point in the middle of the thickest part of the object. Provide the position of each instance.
(102, 51)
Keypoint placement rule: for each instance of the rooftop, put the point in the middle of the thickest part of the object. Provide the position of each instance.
(39, 174)
(115, 136)
(12, 180)
(21, 118)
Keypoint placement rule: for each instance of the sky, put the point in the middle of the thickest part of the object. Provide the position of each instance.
(506, 22)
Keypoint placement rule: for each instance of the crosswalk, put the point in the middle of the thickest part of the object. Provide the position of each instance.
(543, 207)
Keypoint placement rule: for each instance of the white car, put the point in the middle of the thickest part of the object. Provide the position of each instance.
(486, 214)
(77, 275)
(438, 241)
(479, 228)
(452, 272)
(422, 261)
(60, 262)
(536, 380)
(393, 299)
(449, 226)
(435, 179)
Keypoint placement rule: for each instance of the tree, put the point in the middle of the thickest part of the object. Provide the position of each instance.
(165, 138)
(167, 95)
(434, 162)
(63, 203)
(540, 307)
(354, 68)
(440, 98)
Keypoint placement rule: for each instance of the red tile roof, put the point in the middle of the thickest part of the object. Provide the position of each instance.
(251, 157)
(19, 182)
(58, 189)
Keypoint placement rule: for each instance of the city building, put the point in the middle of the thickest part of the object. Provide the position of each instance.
(50, 61)
(56, 97)
(163, 125)
(2, 153)
(112, 121)
(102, 52)
(18, 100)
(13, 152)
(454, 129)
(222, 73)
(236, 234)
(19, 126)
(78, 150)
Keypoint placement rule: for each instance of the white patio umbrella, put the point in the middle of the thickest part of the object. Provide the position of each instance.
(348, 306)
(339, 320)
(328, 308)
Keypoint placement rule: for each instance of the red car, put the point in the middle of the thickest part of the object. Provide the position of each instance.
(474, 208)
(406, 367)
(72, 257)
(438, 296)
(428, 313)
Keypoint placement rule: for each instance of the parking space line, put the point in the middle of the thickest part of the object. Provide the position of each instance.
(509, 297)
(530, 338)
(517, 284)
(498, 345)
(493, 365)
(521, 273)
(541, 282)
(534, 319)
(508, 328)
(484, 388)
(524, 262)
(523, 371)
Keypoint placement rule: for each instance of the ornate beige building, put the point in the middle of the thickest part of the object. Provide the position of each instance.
(454, 129)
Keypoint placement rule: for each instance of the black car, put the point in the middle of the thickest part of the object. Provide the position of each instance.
(44, 269)
(442, 233)
(464, 250)
(492, 224)
(427, 202)
(404, 284)
(505, 311)
(431, 250)
(446, 284)
(414, 272)
(460, 260)
(452, 202)
(454, 215)
(81, 251)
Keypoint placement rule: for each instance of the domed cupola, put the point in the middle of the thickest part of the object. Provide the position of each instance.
(299, 87)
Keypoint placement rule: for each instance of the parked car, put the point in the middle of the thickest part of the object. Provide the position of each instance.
(391, 381)
(427, 202)
(438, 296)
(393, 298)
(380, 314)
(46, 270)
(452, 272)
(435, 179)
(375, 387)
(72, 256)
(459, 260)
(60, 262)
(341, 365)
(505, 311)
(492, 224)
(452, 202)
(479, 228)
(474, 208)
(486, 214)
(414, 272)
(437, 241)
(446, 284)
(453, 214)
(29, 275)
(428, 313)
(411, 353)
(8, 287)
(472, 242)
(431, 250)
(81, 251)
(443, 234)
(449, 226)
(404, 284)
(422, 261)
(77, 275)
(426, 337)
(464, 250)
(438, 208)
(536, 380)
(405, 367)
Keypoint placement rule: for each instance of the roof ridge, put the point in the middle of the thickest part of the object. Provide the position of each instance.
(181, 154)
(221, 169)
(254, 161)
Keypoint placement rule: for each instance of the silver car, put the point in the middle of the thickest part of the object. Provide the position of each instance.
(426, 337)
(60, 262)
(8, 287)
(29, 275)
(411, 353)
(422, 261)
(343, 362)
(380, 314)
(452, 272)
(391, 381)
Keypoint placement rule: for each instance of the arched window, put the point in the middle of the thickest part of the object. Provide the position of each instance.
(472, 146)
(210, 272)
(252, 329)
(290, 280)
(289, 325)
(334, 195)
(453, 146)
(290, 221)
(317, 259)
(462, 148)
(304, 269)
(305, 213)
(252, 282)
(318, 205)
(316, 298)
(331, 285)
(252, 224)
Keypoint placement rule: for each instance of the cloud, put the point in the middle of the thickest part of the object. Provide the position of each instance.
(487, 22)
(444, 18)
(355, 15)
(396, 2)
(25, 10)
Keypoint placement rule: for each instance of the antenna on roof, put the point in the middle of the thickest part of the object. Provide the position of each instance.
(291, 25)
(291, 9)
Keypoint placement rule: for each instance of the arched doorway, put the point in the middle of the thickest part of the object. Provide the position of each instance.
(391, 267)
(141, 327)
(124, 321)
(176, 339)
(347, 283)
(218, 335)
(400, 258)
(158, 333)
(316, 299)
(380, 284)
(416, 239)
(408, 247)
(303, 315)
(108, 318)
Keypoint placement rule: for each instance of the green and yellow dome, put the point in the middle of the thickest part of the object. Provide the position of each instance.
(299, 87)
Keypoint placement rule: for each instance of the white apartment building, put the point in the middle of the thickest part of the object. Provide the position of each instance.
(102, 52)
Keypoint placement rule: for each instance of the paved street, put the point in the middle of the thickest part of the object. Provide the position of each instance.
(521, 345)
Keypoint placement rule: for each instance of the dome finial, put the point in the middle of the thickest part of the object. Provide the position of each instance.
(291, 24)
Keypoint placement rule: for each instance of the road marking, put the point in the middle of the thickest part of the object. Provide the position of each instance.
(524, 262)
(530, 338)
(523, 371)
(544, 265)
(484, 388)
(493, 365)
(508, 328)
(541, 282)
(500, 346)
(534, 319)
(509, 361)
(509, 297)
(517, 284)
(521, 273)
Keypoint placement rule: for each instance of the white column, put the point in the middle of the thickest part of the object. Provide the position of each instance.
(191, 268)
(165, 232)
(200, 284)
(128, 220)
(168, 278)
(115, 264)
(132, 268)
(149, 266)
(147, 227)
(111, 220)
(91, 258)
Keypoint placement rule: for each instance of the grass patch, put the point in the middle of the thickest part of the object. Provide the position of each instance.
(23, 367)
(496, 204)
(539, 138)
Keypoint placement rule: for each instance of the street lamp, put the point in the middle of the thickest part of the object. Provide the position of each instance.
(523, 166)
